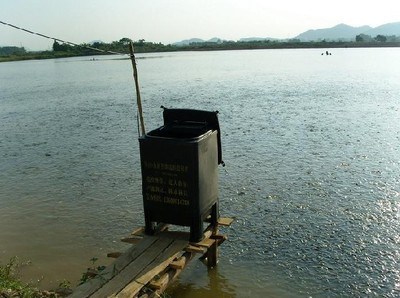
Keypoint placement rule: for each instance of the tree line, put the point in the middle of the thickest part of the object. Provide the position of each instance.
(11, 50)
(142, 46)
(378, 38)
(120, 46)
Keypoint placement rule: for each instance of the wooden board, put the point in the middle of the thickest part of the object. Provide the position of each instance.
(225, 221)
(154, 268)
(164, 255)
(195, 249)
(132, 239)
(205, 243)
(138, 232)
(91, 286)
(134, 268)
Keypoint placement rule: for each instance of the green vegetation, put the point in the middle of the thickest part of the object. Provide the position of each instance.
(61, 50)
(4, 51)
(12, 286)
(121, 46)
(366, 39)
(290, 44)
(92, 271)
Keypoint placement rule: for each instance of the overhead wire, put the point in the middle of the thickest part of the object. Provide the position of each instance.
(131, 55)
(63, 41)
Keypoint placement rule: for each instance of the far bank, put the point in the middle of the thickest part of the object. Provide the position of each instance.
(65, 51)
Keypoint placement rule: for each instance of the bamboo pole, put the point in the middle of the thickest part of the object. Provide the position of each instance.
(139, 100)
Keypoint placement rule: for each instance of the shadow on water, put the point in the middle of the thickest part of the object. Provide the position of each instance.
(202, 284)
(228, 280)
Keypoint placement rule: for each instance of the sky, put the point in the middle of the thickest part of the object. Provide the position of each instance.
(169, 21)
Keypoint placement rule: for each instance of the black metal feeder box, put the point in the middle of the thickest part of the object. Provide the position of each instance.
(179, 162)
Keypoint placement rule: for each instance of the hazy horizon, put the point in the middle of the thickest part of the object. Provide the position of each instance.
(173, 21)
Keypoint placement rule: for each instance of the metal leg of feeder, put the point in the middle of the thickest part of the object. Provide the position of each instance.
(196, 230)
(150, 226)
(212, 252)
(214, 214)
(212, 255)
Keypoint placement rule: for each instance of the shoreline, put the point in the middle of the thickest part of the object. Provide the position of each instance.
(207, 47)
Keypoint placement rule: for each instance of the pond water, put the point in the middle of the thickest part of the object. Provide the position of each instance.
(310, 142)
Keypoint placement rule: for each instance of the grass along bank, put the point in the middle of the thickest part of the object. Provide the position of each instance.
(12, 286)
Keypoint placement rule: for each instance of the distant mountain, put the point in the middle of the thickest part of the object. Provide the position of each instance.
(215, 39)
(341, 32)
(248, 39)
(95, 41)
(338, 32)
(348, 33)
(386, 29)
(187, 42)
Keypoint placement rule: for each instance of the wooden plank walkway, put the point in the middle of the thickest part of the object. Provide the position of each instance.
(151, 264)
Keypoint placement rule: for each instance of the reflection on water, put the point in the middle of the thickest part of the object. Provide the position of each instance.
(202, 282)
(311, 145)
